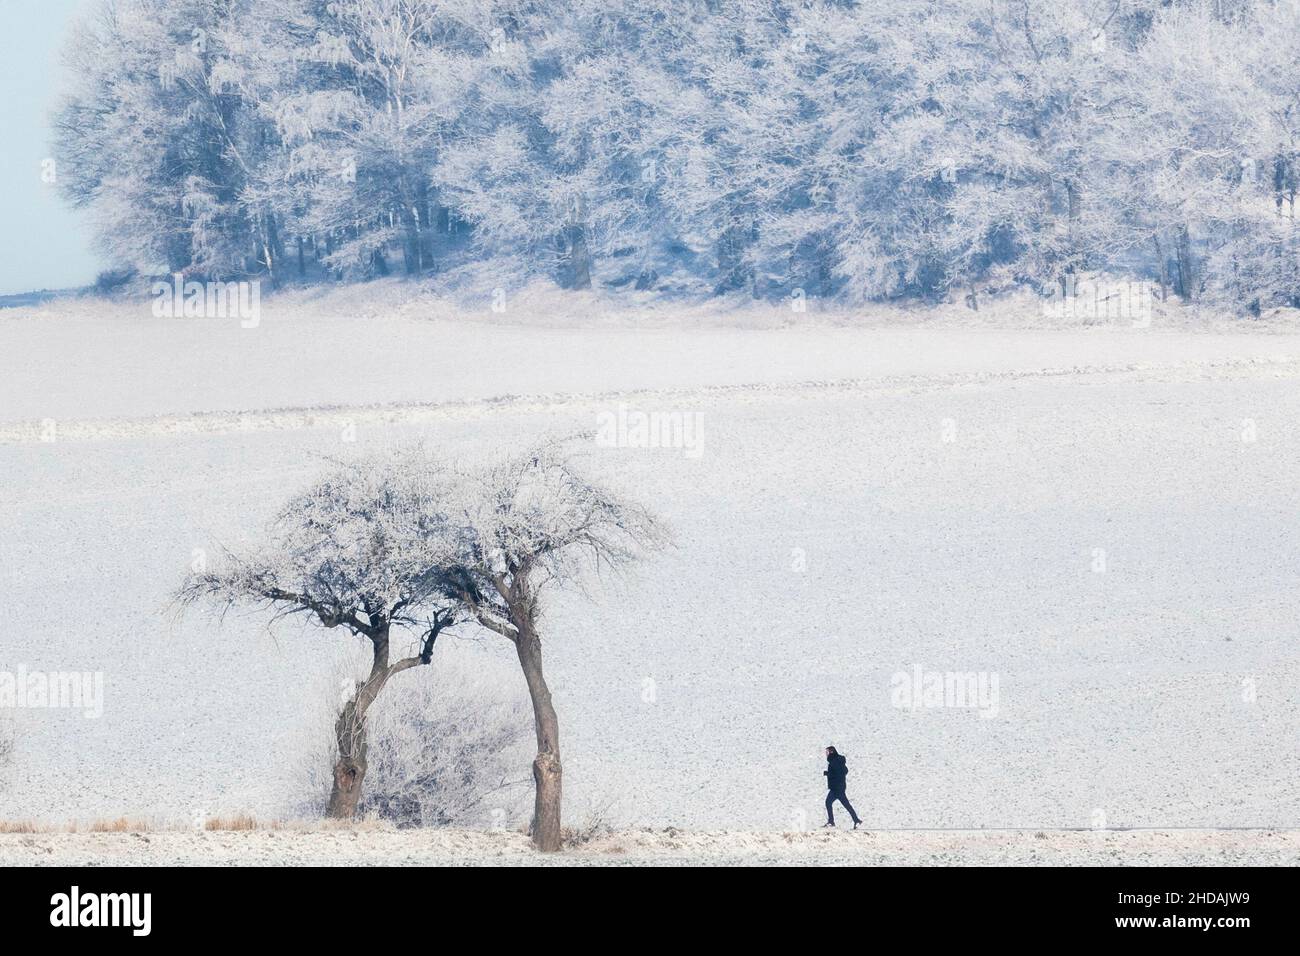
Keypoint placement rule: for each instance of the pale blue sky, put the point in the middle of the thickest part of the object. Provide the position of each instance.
(43, 244)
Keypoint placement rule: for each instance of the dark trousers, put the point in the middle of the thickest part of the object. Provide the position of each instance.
(839, 795)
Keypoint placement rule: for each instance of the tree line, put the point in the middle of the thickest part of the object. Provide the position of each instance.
(848, 149)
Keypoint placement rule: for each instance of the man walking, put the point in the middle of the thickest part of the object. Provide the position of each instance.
(837, 772)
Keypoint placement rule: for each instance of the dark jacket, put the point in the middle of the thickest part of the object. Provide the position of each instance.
(837, 771)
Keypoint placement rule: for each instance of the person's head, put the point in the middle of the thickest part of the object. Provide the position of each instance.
(831, 752)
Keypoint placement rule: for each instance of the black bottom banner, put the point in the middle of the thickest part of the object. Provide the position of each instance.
(215, 906)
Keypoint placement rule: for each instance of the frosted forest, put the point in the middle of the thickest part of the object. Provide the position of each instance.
(854, 150)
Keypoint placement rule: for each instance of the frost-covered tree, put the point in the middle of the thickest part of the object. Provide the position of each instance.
(522, 526)
(526, 198)
(1199, 164)
(747, 172)
(360, 550)
(358, 97)
(151, 143)
(1177, 153)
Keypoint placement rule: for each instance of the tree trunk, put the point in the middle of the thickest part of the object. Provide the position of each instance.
(577, 273)
(1186, 277)
(547, 771)
(424, 228)
(1072, 211)
(1163, 265)
(349, 767)
(350, 735)
(272, 249)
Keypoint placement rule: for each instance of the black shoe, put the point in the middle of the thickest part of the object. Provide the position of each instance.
(856, 824)
(831, 825)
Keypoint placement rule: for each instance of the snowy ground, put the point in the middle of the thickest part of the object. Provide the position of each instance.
(82, 360)
(866, 501)
(371, 847)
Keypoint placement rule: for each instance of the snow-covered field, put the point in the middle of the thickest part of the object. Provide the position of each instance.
(1104, 520)
(667, 847)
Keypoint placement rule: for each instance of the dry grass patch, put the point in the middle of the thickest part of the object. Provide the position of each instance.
(120, 825)
(237, 821)
(240, 821)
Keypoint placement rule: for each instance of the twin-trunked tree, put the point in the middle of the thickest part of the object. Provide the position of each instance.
(410, 545)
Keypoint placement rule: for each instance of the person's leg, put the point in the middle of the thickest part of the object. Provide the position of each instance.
(844, 799)
(830, 813)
